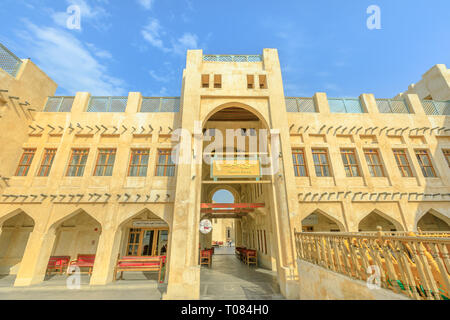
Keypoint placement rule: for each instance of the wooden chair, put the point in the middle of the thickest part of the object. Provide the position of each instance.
(251, 258)
(205, 257)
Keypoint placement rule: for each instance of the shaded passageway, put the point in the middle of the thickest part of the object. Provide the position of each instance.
(229, 278)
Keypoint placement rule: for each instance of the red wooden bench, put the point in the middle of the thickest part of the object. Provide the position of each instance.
(83, 261)
(57, 263)
(137, 263)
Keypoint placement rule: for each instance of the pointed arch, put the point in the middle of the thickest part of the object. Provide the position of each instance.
(433, 220)
(16, 228)
(150, 215)
(323, 222)
(371, 220)
(144, 240)
(14, 214)
(71, 215)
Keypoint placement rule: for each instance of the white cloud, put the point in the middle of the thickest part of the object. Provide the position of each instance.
(68, 61)
(153, 33)
(104, 54)
(164, 78)
(147, 4)
(186, 42)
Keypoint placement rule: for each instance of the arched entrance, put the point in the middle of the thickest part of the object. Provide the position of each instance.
(375, 219)
(77, 238)
(320, 222)
(144, 235)
(236, 145)
(15, 232)
(433, 221)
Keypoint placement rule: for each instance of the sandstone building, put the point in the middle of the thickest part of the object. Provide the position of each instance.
(94, 175)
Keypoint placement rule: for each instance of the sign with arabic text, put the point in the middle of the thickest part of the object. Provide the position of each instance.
(235, 168)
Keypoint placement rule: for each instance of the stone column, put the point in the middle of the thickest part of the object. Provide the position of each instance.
(106, 256)
(35, 259)
(284, 192)
(184, 275)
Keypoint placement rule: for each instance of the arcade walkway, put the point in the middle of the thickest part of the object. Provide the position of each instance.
(230, 279)
(227, 279)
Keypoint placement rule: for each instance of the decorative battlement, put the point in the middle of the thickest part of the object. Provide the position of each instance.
(114, 104)
(232, 58)
(356, 105)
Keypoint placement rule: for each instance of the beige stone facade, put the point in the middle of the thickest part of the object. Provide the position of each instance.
(344, 178)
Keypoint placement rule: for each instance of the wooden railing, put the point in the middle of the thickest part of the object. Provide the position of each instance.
(416, 265)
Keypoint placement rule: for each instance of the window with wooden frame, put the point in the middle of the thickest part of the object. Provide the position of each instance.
(205, 80)
(298, 158)
(138, 162)
(350, 163)
(447, 156)
(217, 81)
(250, 81)
(262, 81)
(46, 163)
(425, 163)
(402, 162)
(105, 162)
(374, 162)
(77, 162)
(321, 164)
(25, 162)
(165, 166)
(133, 242)
(147, 242)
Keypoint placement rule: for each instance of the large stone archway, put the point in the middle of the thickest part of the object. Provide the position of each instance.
(14, 235)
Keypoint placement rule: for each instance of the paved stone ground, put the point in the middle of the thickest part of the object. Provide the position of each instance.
(230, 279)
(135, 286)
(227, 279)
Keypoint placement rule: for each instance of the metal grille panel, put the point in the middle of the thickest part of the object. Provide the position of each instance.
(337, 106)
(392, 106)
(160, 104)
(436, 108)
(59, 104)
(8, 61)
(66, 104)
(347, 105)
(170, 105)
(118, 104)
(107, 104)
(300, 105)
(233, 58)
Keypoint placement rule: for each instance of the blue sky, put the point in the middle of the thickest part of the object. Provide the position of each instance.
(139, 45)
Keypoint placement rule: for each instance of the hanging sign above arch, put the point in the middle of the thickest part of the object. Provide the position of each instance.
(235, 168)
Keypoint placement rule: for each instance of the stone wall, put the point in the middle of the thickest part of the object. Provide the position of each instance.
(317, 283)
